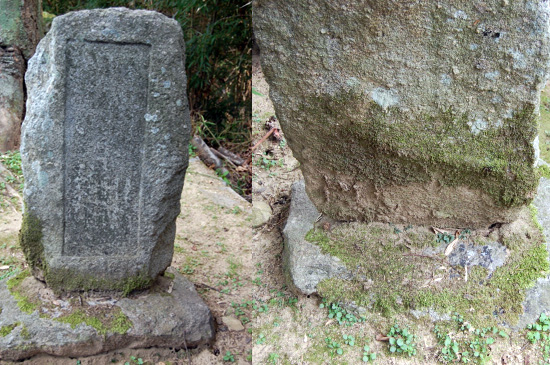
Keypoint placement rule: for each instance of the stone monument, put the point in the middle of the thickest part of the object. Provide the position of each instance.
(420, 112)
(104, 153)
(104, 150)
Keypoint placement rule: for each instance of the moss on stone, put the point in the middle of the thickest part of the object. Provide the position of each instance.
(544, 171)
(113, 321)
(420, 149)
(30, 240)
(169, 275)
(66, 280)
(393, 273)
(23, 302)
(25, 332)
(6, 330)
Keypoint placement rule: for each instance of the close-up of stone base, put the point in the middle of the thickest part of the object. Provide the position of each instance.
(34, 321)
(319, 260)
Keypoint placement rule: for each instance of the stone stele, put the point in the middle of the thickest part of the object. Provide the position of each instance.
(104, 149)
(420, 112)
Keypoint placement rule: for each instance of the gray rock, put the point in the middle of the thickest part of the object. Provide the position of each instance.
(435, 131)
(261, 212)
(175, 318)
(232, 323)
(104, 149)
(537, 298)
(304, 263)
(489, 256)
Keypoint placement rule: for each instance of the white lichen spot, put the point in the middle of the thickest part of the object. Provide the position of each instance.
(492, 75)
(167, 137)
(178, 102)
(149, 117)
(519, 59)
(166, 84)
(324, 30)
(477, 126)
(385, 98)
(352, 81)
(446, 79)
(473, 47)
(156, 95)
(459, 14)
(154, 130)
(499, 123)
(163, 70)
(496, 99)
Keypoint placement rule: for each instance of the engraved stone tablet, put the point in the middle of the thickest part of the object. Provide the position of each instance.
(104, 149)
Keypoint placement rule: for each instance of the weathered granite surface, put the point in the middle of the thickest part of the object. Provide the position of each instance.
(538, 297)
(304, 263)
(170, 315)
(104, 149)
(420, 112)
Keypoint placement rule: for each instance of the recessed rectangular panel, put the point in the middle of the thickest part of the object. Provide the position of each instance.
(106, 100)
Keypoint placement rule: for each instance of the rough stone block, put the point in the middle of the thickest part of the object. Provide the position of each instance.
(104, 149)
(419, 112)
(170, 314)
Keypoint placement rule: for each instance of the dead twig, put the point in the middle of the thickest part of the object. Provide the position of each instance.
(451, 247)
(236, 159)
(263, 139)
(219, 154)
(381, 337)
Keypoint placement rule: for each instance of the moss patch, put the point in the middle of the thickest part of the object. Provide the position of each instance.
(399, 272)
(393, 147)
(24, 303)
(6, 330)
(111, 320)
(30, 240)
(67, 280)
(544, 171)
(544, 126)
(103, 319)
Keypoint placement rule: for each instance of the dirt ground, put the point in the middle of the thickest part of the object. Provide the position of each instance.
(212, 249)
(296, 330)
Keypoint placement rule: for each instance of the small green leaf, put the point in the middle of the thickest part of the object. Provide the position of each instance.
(255, 92)
(393, 349)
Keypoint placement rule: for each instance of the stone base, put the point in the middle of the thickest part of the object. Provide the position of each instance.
(307, 265)
(33, 321)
